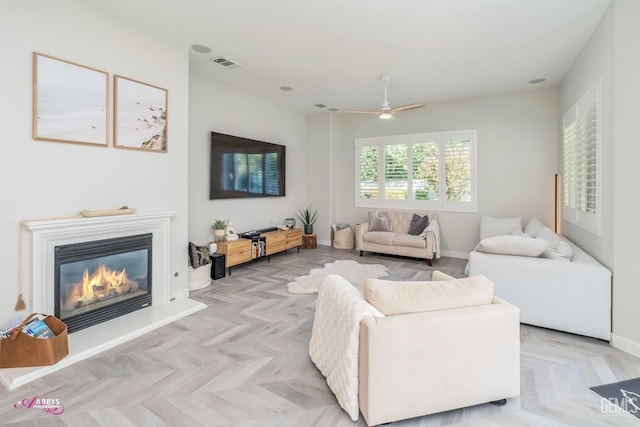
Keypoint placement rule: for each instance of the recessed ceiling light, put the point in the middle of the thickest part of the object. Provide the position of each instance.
(333, 109)
(200, 48)
(320, 105)
(536, 81)
(286, 88)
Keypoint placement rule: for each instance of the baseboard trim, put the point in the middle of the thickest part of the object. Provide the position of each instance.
(455, 254)
(626, 345)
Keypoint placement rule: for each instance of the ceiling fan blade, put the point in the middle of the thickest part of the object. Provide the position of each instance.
(407, 107)
(362, 111)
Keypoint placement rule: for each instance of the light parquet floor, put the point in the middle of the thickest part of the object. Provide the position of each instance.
(243, 361)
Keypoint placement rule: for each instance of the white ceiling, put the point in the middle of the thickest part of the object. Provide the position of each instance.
(334, 51)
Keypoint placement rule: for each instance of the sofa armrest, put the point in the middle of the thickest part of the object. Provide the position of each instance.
(422, 363)
(360, 230)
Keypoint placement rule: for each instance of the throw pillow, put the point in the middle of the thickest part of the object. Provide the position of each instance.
(198, 255)
(391, 297)
(512, 245)
(378, 221)
(491, 227)
(418, 224)
(533, 228)
(557, 248)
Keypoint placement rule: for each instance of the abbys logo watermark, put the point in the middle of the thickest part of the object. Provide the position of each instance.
(629, 402)
(51, 406)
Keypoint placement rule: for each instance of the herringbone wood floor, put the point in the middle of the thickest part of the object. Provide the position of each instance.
(243, 362)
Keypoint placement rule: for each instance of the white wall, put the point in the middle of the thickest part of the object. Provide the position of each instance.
(626, 205)
(611, 53)
(43, 179)
(596, 60)
(217, 108)
(518, 156)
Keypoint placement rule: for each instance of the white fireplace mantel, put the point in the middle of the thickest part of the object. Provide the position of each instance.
(47, 234)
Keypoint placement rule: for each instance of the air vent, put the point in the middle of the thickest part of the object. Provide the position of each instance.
(225, 62)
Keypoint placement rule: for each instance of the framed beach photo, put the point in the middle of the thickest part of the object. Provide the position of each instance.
(140, 118)
(70, 102)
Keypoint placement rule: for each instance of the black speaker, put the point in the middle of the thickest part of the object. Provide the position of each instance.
(217, 266)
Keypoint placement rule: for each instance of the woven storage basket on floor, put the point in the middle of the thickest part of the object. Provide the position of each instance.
(343, 239)
(21, 350)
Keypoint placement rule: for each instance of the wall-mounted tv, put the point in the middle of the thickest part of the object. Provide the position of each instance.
(242, 167)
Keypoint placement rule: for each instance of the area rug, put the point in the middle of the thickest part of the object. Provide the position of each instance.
(354, 272)
(623, 396)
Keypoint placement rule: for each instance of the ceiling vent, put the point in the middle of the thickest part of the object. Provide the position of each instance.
(225, 62)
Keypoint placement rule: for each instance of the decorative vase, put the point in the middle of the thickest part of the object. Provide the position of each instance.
(308, 229)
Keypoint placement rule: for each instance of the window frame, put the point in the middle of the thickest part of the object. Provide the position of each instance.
(441, 138)
(588, 221)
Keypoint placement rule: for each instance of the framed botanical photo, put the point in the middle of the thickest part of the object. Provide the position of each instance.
(70, 102)
(140, 118)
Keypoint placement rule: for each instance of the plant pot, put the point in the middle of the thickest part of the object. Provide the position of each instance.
(308, 229)
(218, 234)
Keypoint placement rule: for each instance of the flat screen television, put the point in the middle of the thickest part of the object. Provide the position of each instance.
(242, 167)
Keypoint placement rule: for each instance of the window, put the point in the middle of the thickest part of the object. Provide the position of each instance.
(434, 171)
(581, 162)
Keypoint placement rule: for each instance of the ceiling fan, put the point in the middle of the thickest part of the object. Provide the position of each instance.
(386, 112)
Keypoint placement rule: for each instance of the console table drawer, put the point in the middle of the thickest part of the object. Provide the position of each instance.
(236, 251)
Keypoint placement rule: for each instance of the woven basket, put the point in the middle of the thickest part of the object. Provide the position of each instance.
(343, 239)
(21, 350)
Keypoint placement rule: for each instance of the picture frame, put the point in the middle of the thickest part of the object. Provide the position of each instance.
(140, 115)
(70, 102)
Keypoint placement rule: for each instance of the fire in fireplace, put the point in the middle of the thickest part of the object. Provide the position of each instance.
(99, 280)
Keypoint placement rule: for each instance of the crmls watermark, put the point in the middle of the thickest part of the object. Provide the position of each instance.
(51, 406)
(628, 403)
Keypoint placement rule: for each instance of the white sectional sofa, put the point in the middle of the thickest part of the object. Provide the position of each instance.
(396, 240)
(572, 296)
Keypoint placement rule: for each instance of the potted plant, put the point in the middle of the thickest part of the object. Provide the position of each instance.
(219, 226)
(307, 218)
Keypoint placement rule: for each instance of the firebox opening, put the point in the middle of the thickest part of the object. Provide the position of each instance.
(99, 280)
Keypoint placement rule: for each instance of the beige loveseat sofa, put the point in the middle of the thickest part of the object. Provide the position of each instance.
(398, 366)
(396, 240)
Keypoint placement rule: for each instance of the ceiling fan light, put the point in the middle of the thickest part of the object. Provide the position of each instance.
(385, 115)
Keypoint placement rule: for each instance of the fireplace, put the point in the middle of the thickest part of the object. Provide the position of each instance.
(100, 280)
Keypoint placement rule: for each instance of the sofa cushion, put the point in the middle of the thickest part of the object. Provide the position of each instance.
(512, 245)
(557, 248)
(378, 221)
(401, 297)
(418, 224)
(533, 228)
(491, 227)
(380, 237)
(409, 241)
(439, 276)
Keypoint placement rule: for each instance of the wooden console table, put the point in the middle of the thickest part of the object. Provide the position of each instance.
(241, 251)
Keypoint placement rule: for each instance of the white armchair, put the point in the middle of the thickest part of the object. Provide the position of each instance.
(423, 363)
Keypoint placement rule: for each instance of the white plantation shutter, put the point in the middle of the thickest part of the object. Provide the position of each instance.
(581, 162)
(396, 184)
(458, 170)
(423, 171)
